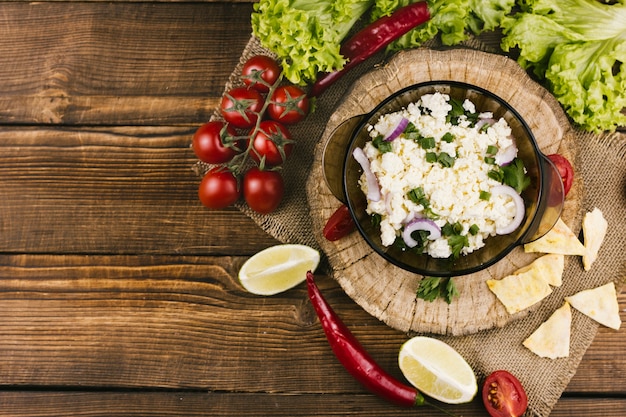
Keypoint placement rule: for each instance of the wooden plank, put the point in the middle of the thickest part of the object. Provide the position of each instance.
(117, 63)
(111, 190)
(185, 323)
(190, 404)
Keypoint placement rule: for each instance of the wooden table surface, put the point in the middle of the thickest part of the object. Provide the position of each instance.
(118, 290)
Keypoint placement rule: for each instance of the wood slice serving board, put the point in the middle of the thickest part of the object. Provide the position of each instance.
(388, 292)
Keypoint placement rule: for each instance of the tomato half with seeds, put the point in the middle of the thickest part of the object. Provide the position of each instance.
(260, 72)
(289, 104)
(565, 170)
(241, 107)
(340, 224)
(503, 395)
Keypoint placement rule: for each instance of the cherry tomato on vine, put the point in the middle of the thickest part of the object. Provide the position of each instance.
(260, 72)
(565, 170)
(213, 143)
(273, 142)
(219, 189)
(241, 107)
(263, 190)
(289, 104)
(503, 395)
(339, 224)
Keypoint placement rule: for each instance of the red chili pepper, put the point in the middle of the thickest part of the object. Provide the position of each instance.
(372, 39)
(354, 357)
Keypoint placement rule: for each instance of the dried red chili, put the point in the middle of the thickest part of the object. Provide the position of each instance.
(355, 359)
(372, 39)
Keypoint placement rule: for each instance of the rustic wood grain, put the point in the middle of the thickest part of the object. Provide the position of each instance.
(118, 291)
(185, 322)
(190, 404)
(102, 63)
(111, 190)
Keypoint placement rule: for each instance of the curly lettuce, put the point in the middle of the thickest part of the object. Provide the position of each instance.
(306, 34)
(452, 20)
(579, 48)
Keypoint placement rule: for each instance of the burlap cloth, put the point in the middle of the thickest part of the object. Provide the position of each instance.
(601, 170)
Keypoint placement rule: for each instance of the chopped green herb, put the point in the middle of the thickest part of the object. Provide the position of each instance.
(418, 196)
(484, 128)
(474, 229)
(514, 175)
(457, 111)
(496, 174)
(431, 288)
(381, 144)
(456, 240)
(485, 195)
(492, 150)
(457, 243)
(490, 160)
(427, 143)
(431, 157)
(376, 219)
(447, 137)
(445, 160)
(412, 133)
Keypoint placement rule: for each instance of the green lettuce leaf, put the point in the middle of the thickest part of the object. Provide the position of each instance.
(306, 34)
(579, 48)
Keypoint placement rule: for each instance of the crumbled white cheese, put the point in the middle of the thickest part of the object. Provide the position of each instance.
(453, 193)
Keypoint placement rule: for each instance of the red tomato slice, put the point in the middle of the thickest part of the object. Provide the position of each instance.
(565, 170)
(339, 224)
(503, 395)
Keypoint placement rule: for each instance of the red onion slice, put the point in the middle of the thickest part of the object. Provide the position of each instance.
(507, 155)
(420, 224)
(520, 209)
(397, 131)
(373, 189)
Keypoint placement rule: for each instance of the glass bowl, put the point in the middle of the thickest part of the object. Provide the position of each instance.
(543, 198)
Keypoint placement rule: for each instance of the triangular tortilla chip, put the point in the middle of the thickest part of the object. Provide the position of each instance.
(560, 239)
(520, 291)
(594, 231)
(548, 267)
(598, 303)
(551, 339)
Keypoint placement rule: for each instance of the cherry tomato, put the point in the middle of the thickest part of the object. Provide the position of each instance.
(273, 142)
(211, 143)
(241, 107)
(565, 169)
(503, 395)
(339, 224)
(263, 190)
(260, 72)
(289, 104)
(218, 189)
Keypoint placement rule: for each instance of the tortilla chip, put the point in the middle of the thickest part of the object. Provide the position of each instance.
(560, 239)
(520, 291)
(594, 231)
(599, 304)
(550, 267)
(551, 339)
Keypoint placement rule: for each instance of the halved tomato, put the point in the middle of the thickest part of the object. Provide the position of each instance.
(503, 395)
